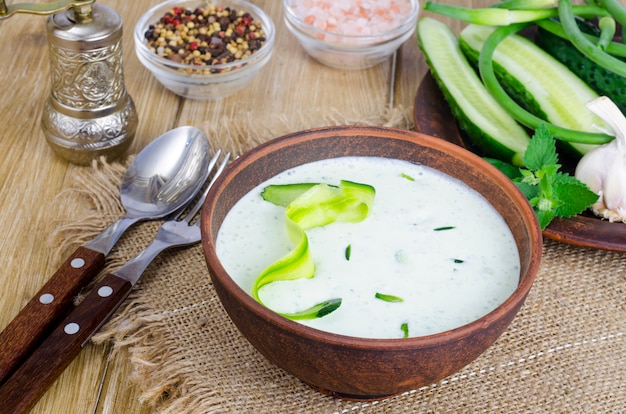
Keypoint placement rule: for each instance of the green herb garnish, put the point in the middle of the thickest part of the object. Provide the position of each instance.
(348, 251)
(388, 298)
(444, 228)
(405, 329)
(408, 177)
(458, 261)
(551, 193)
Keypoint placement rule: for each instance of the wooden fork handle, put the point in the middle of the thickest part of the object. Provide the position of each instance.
(32, 379)
(46, 308)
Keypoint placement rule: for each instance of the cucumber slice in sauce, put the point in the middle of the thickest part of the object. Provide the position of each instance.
(308, 206)
(479, 115)
(283, 194)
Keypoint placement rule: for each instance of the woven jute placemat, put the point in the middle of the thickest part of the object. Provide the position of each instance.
(565, 352)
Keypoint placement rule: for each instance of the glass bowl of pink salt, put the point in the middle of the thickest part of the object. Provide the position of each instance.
(202, 49)
(348, 34)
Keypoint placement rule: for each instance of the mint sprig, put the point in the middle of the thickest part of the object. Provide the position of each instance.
(551, 192)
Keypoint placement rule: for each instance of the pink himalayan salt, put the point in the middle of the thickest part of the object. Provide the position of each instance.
(352, 17)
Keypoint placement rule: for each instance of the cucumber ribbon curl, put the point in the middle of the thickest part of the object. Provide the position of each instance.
(309, 206)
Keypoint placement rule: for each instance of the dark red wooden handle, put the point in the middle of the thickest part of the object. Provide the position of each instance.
(31, 380)
(46, 308)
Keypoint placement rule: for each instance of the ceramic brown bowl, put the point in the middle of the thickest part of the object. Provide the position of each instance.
(351, 367)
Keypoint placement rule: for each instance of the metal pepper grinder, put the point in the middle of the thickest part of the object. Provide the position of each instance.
(89, 112)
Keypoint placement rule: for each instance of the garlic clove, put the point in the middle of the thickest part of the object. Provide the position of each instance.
(604, 168)
(614, 189)
(590, 169)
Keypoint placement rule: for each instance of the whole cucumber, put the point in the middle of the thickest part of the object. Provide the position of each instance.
(600, 79)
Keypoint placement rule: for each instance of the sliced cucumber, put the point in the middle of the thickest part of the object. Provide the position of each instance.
(539, 82)
(479, 115)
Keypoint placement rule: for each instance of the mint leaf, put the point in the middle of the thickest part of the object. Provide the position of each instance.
(541, 151)
(529, 190)
(511, 171)
(575, 195)
(545, 217)
(549, 191)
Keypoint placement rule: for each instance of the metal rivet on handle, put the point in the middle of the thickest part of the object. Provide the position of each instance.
(46, 298)
(71, 328)
(77, 263)
(105, 291)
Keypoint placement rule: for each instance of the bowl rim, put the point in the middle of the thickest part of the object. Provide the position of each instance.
(226, 68)
(381, 344)
(359, 40)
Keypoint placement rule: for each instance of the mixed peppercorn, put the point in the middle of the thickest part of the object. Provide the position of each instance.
(202, 37)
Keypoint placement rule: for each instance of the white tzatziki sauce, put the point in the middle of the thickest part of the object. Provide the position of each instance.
(446, 278)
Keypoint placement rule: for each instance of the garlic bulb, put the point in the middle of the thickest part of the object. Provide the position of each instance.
(604, 168)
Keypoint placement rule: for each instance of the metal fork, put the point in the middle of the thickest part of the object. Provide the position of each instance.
(23, 389)
(174, 232)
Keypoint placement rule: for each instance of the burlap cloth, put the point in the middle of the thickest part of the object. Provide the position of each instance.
(564, 353)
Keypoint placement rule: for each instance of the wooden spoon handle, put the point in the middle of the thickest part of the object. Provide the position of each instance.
(32, 379)
(46, 308)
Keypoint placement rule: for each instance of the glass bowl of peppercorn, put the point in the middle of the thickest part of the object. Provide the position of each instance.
(204, 50)
(346, 34)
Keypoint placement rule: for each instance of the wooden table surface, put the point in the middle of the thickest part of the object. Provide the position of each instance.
(32, 176)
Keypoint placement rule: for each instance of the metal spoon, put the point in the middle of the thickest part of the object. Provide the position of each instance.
(164, 176)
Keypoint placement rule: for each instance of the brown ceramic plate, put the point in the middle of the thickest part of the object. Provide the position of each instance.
(433, 117)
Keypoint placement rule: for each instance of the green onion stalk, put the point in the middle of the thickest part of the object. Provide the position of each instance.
(589, 49)
(524, 4)
(554, 27)
(607, 32)
(618, 11)
(497, 16)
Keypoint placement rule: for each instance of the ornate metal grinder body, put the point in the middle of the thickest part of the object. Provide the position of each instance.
(89, 112)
